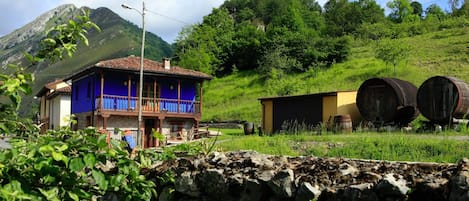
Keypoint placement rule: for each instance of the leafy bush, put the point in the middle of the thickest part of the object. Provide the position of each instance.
(63, 164)
(72, 165)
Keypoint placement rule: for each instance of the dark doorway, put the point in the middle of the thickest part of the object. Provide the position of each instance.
(148, 140)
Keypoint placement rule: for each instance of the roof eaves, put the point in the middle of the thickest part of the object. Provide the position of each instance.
(333, 93)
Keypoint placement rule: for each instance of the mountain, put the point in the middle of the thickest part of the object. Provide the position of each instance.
(118, 38)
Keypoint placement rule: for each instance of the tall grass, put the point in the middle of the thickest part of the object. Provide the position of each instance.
(377, 146)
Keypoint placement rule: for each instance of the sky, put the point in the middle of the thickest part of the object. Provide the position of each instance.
(164, 18)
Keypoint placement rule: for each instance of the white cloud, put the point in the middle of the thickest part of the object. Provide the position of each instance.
(164, 18)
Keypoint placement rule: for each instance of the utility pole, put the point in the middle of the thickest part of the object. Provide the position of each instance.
(140, 91)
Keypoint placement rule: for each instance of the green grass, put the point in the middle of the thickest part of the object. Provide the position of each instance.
(235, 97)
(442, 148)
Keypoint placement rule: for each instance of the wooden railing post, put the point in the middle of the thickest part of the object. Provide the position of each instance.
(179, 95)
(102, 92)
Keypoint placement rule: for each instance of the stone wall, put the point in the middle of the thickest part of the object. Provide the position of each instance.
(249, 176)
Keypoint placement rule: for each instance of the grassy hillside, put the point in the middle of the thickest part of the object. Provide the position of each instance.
(439, 53)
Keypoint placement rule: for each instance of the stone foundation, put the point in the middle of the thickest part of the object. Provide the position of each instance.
(249, 176)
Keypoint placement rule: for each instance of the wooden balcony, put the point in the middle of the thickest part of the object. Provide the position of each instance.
(150, 106)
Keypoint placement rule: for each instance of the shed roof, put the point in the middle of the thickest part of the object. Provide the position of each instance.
(332, 93)
(132, 64)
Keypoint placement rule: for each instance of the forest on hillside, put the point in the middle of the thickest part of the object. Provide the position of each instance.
(277, 37)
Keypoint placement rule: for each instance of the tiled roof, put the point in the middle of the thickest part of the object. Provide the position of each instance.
(53, 86)
(133, 63)
(332, 93)
(67, 89)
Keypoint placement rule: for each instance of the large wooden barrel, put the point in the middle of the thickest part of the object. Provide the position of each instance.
(442, 98)
(387, 101)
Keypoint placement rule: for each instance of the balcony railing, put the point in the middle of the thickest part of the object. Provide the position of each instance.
(156, 105)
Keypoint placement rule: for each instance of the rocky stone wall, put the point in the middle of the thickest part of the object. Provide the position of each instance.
(249, 176)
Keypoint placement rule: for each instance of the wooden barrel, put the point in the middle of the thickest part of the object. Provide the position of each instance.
(387, 101)
(248, 128)
(442, 98)
(342, 123)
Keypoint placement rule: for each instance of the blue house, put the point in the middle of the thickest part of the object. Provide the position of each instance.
(105, 95)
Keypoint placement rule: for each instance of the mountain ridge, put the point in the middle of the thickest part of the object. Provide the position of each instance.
(118, 38)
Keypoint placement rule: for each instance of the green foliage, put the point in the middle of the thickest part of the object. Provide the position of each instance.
(392, 52)
(241, 35)
(157, 135)
(417, 8)
(235, 97)
(435, 11)
(64, 38)
(401, 10)
(206, 47)
(12, 88)
(61, 39)
(378, 146)
(344, 17)
(72, 165)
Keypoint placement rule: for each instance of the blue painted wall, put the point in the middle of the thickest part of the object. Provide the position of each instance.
(84, 94)
(86, 90)
(188, 89)
(114, 84)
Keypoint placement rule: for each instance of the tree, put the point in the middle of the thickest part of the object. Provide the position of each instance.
(371, 12)
(338, 18)
(463, 10)
(210, 41)
(417, 8)
(241, 33)
(344, 17)
(454, 4)
(392, 52)
(400, 10)
(435, 11)
(60, 40)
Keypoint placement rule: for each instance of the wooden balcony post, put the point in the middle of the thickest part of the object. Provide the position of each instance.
(129, 92)
(154, 96)
(159, 98)
(102, 92)
(179, 95)
(137, 105)
(200, 101)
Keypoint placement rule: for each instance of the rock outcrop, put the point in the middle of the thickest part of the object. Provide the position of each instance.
(249, 176)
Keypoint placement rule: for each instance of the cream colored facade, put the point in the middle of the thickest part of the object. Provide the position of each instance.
(55, 104)
(59, 111)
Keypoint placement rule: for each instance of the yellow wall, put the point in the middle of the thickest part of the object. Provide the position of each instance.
(346, 104)
(329, 109)
(267, 118)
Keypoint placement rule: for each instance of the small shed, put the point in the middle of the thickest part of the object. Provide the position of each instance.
(308, 109)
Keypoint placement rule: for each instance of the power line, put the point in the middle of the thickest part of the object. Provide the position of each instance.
(168, 17)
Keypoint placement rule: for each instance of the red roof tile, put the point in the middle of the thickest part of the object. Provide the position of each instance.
(67, 89)
(133, 63)
(53, 86)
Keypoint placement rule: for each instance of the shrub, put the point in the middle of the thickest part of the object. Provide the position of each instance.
(72, 165)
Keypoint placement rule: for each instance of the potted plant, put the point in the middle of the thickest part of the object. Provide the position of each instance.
(158, 136)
